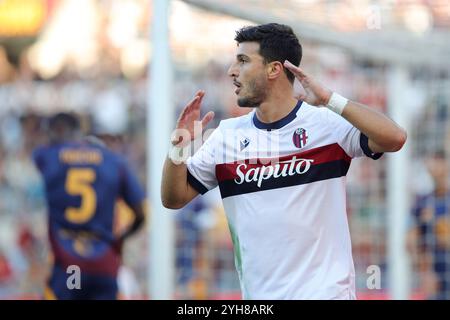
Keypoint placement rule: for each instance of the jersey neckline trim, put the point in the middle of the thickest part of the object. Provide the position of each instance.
(279, 123)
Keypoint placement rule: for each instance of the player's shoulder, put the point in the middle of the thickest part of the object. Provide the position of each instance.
(108, 155)
(39, 152)
(313, 111)
(46, 155)
(94, 143)
(321, 115)
(45, 150)
(227, 128)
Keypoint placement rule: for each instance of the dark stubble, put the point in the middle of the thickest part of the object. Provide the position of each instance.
(256, 94)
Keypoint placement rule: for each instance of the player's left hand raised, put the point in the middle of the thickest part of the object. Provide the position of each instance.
(315, 93)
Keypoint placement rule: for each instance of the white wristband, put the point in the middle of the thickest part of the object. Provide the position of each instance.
(179, 154)
(337, 103)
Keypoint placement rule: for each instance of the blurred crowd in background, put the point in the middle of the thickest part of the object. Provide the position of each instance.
(103, 78)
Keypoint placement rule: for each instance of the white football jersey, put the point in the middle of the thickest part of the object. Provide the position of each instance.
(283, 190)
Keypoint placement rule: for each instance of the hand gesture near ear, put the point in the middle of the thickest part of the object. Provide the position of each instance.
(316, 94)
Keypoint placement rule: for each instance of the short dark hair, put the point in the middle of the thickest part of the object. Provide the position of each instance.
(277, 42)
(64, 120)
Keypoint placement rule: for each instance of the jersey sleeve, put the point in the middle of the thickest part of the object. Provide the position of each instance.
(354, 142)
(201, 166)
(130, 189)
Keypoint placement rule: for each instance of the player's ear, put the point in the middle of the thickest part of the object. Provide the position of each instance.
(274, 69)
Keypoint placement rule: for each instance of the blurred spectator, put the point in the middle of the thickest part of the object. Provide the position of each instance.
(429, 238)
(5, 270)
(189, 258)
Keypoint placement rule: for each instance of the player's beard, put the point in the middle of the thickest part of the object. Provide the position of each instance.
(256, 93)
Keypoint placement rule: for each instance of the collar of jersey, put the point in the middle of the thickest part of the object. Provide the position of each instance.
(279, 123)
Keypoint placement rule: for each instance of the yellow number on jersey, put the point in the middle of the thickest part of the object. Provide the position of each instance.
(79, 183)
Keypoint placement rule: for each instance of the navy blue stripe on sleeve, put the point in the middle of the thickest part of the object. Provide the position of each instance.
(197, 185)
(364, 143)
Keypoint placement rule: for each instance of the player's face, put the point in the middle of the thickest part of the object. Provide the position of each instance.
(249, 75)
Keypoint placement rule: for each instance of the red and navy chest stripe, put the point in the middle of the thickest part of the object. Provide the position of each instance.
(322, 163)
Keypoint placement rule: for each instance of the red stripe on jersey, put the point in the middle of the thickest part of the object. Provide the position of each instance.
(328, 153)
(108, 263)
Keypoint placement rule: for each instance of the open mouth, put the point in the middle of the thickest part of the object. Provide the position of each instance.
(238, 87)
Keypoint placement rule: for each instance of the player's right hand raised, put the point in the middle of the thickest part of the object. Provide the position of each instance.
(188, 124)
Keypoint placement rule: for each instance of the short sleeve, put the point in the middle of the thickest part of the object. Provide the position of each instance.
(130, 189)
(202, 165)
(354, 142)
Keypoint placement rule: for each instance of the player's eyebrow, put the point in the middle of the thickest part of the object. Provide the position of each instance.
(242, 57)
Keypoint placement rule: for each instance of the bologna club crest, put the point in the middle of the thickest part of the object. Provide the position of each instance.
(299, 138)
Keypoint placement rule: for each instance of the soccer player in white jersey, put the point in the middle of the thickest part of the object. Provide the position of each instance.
(284, 198)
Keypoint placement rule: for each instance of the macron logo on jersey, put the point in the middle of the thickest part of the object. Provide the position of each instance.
(282, 169)
(244, 143)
